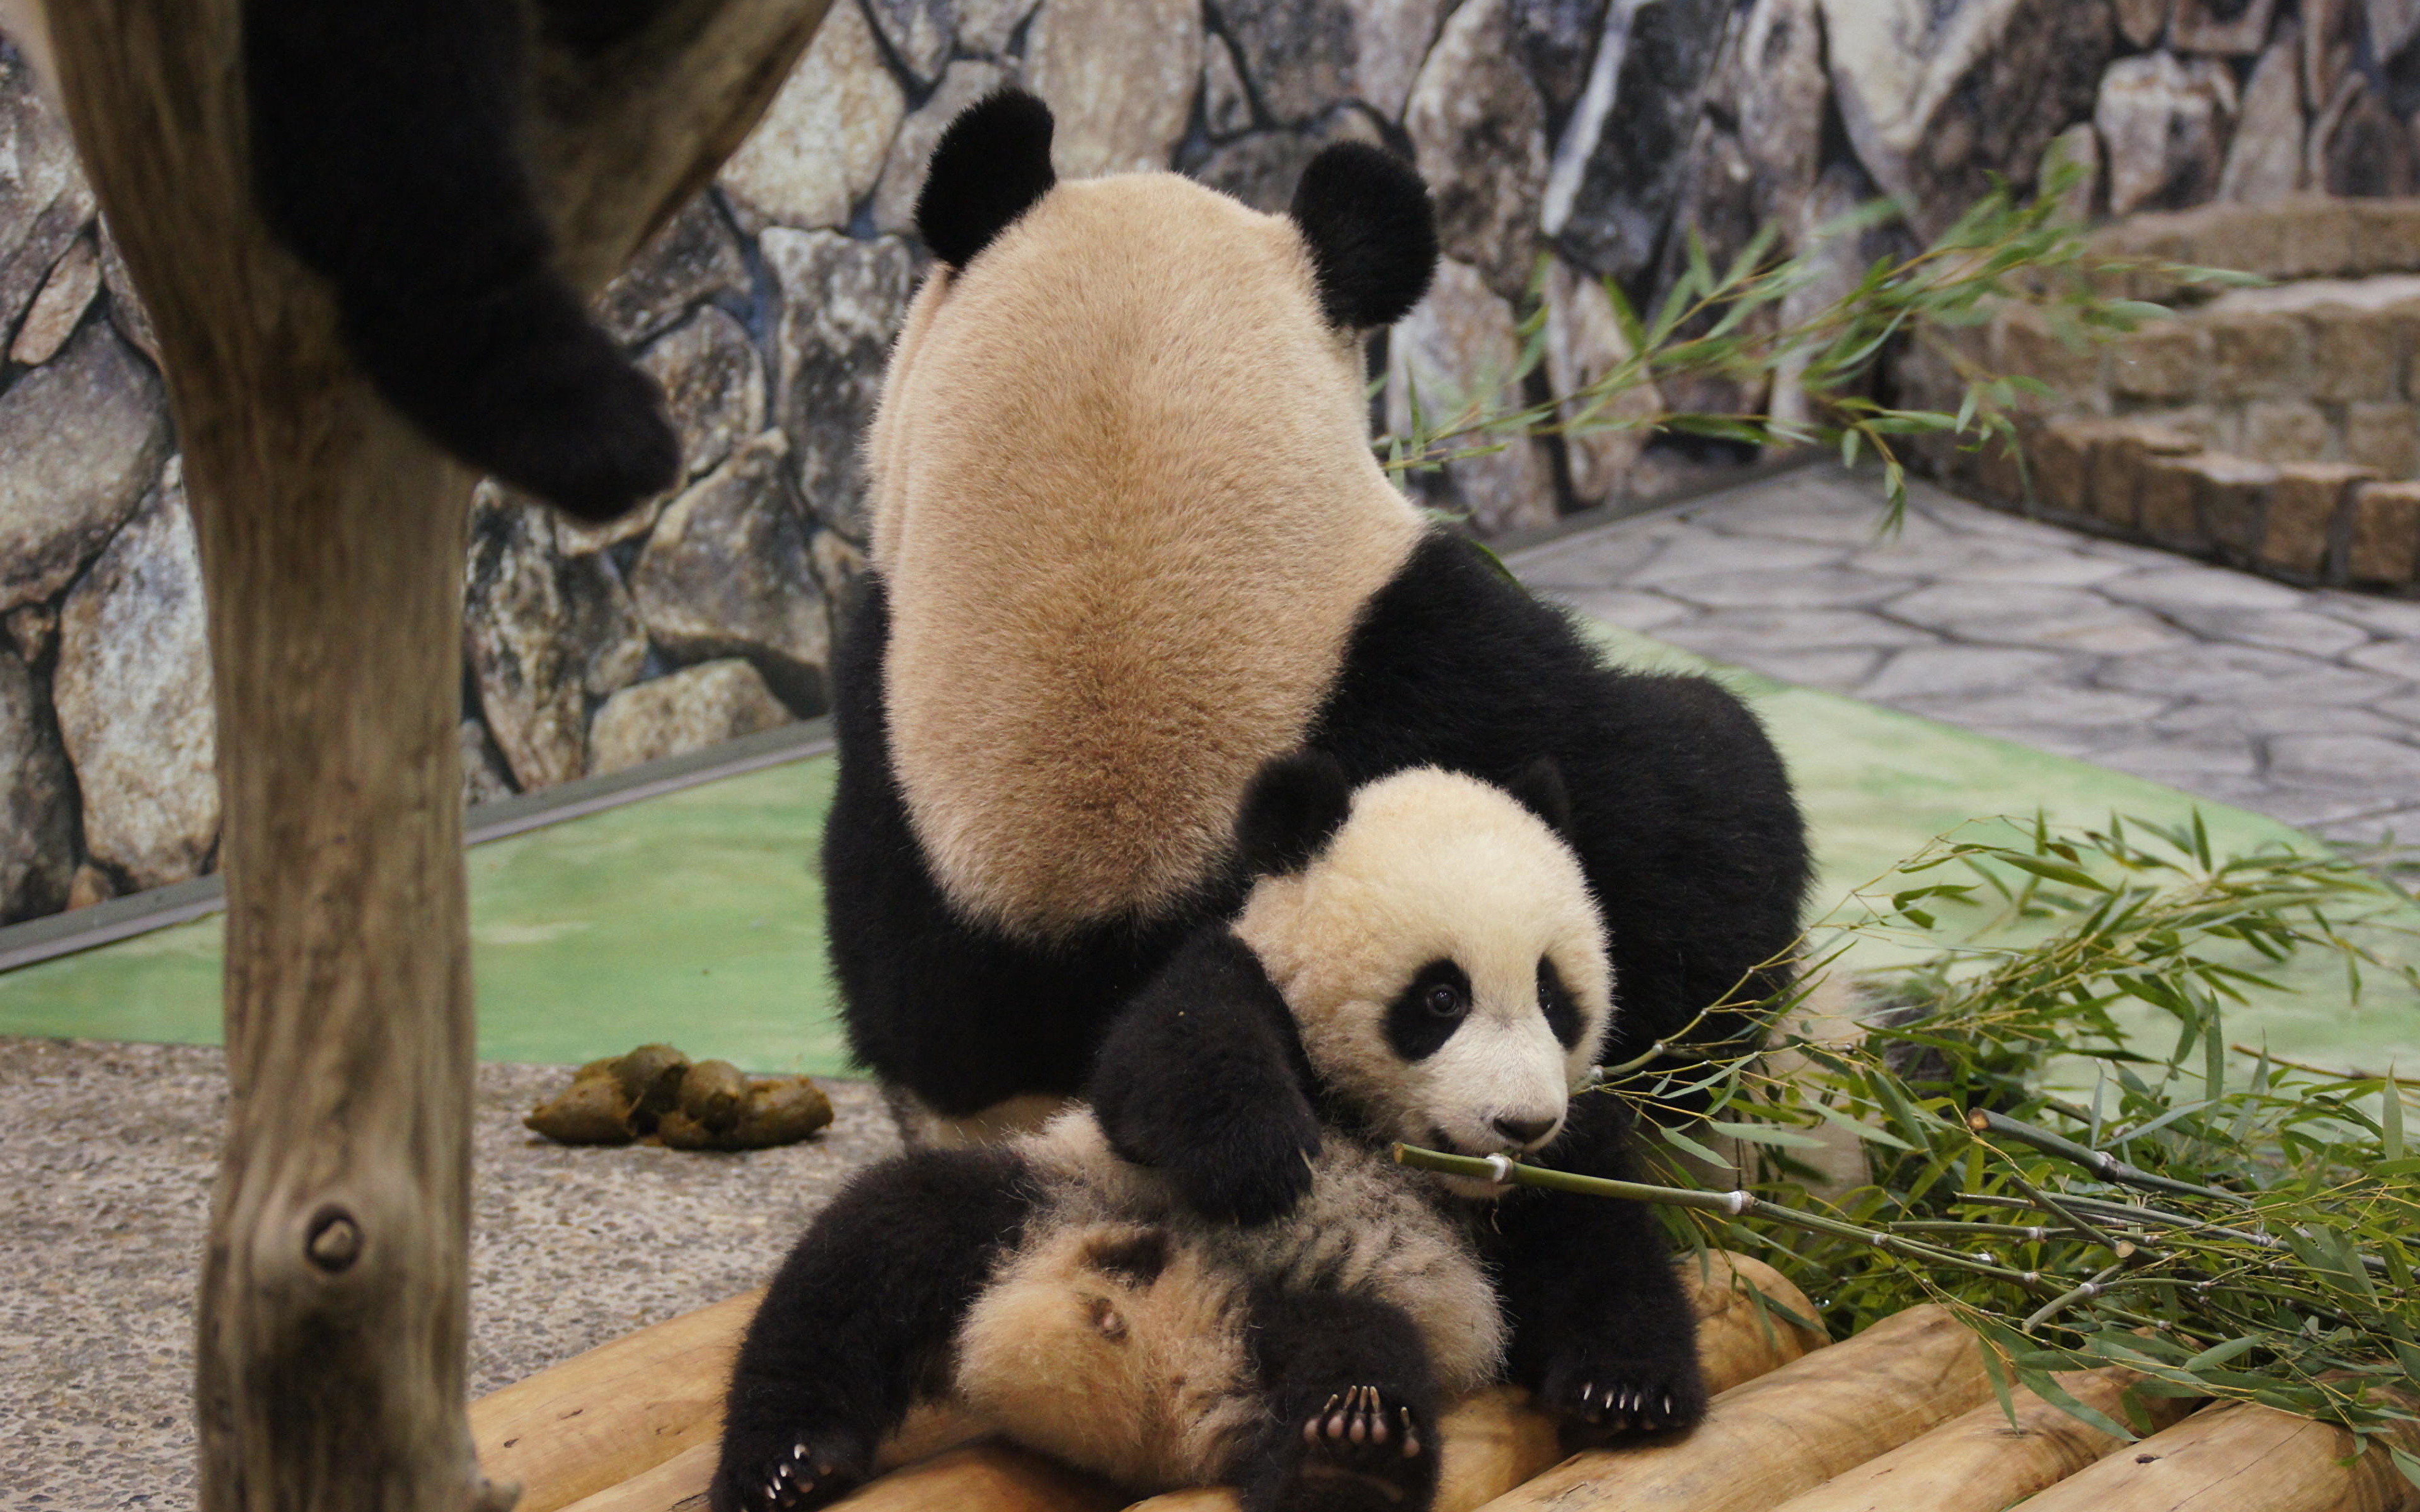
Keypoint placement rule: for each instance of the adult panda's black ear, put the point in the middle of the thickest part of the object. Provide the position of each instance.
(993, 165)
(1373, 233)
(1539, 788)
(1292, 807)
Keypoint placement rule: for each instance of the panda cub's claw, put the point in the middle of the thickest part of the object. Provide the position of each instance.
(794, 1477)
(1637, 1399)
(1356, 1450)
(1359, 1415)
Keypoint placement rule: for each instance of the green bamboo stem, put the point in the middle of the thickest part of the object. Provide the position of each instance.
(2099, 1162)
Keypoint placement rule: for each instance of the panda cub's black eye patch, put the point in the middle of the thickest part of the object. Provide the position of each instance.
(1425, 1013)
(1556, 1001)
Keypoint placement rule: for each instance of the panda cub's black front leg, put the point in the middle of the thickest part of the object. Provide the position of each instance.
(859, 1321)
(1351, 1408)
(1603, 1330)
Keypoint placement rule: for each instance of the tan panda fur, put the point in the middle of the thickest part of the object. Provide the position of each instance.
(1152, 1381)
(1126, 513)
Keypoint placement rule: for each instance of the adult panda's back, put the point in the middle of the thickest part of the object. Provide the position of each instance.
(1126, 514)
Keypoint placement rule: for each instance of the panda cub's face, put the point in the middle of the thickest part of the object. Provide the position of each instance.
(1444, 964)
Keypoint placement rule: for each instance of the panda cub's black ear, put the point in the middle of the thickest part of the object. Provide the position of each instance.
(993, 165)
(1294, 804)
(1539, 788)
(1372, 231)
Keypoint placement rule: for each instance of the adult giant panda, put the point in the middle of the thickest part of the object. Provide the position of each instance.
(386, 155)
(1424, 956)
(1129, 542)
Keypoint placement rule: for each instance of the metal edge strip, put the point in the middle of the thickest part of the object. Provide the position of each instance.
(181, 902)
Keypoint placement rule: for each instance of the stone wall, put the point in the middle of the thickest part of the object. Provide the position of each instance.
(2275, 428)
(1566, 140)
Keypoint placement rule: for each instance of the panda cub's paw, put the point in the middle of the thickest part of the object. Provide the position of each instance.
(1360, 1448)
(1601, 1396)
(787, 1472)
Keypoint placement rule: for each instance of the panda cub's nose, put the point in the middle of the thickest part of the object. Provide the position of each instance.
(1524, 1132)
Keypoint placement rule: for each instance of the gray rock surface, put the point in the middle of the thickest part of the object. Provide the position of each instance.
(1262, 168)
(986, 28)
(2221, 26)
(132, 691)
(902, 173)
(65, 295)
(690, 261)
(1937, 96)
(842, 301)
(1390, 39)
(80, 438)
(2164, 125)
(919, 33)
(38, 832)
(2393, 24)
(1459, 347)
(1226, 103)
(1300, 54)
(1119, 77)
(729, 572)
(1555, 41)
(126, 311)
(483, 777)
(1584, 344)
(44, 200)
(714, 386)
(2264, 162)
(1479, 129)
(1617, 171)
(545, 633)
(2358, 147)
(107, 1155)
(688, 710)
(821, 145)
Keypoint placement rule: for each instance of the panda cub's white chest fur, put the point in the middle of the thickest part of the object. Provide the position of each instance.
(1116, 1334)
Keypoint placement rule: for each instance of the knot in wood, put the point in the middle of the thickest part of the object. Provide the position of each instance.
(335, 1241)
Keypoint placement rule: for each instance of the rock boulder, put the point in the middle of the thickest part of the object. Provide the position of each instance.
(842, 303)
(821, 145)
(688, 710)
(81, 437)
(1460, 348)
(714, 386)
(36, 801)
(1479, 129)
(2164, 125)
(132, 691)
(688, 263)
(1120, 76)
(730, 571)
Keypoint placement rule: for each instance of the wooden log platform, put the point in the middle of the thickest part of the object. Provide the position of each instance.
(1898, 1419)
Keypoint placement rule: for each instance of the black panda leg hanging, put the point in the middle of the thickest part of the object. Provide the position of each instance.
(859, 1321)
(385, 156)
(1351, 1408)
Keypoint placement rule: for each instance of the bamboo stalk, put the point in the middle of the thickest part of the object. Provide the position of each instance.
(333, 1315)
(2239, 1456)
(1783, 1433)
(1978, 1463)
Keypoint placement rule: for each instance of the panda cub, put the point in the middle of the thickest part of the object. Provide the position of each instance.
(1422, 958)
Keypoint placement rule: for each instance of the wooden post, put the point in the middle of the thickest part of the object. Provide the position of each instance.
(333, 1310)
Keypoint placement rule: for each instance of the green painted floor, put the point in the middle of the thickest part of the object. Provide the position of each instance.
(697, 918)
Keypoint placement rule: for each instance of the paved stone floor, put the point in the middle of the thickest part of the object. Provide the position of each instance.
(2304, 704)
(106, 1155)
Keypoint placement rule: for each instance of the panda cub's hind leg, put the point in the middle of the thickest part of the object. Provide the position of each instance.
(1351, 1408)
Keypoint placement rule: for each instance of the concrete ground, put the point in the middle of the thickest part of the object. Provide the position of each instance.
(2298, 704)
(106, 1155)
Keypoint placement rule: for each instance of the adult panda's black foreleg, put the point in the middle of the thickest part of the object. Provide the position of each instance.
(859, 1322)
(385, 156)
(1603, 1330)
(1351, 1407)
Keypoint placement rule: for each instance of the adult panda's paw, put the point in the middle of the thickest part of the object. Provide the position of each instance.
(1362, 1447)
(1600, 1393)
(764, 1472)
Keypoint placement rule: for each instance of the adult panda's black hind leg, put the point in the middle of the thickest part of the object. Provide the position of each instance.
(859, 1322)
(384, 154)
(1351, 1408)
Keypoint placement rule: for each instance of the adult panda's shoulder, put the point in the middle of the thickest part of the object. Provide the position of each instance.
(1682, 812)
